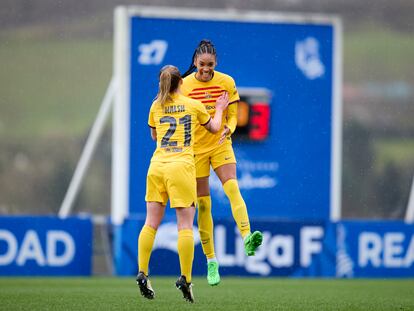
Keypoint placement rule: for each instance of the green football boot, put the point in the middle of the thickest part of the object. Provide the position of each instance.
(252, 242)
(213, 276)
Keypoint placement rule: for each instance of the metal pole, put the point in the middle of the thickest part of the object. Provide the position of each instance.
(88, 151)
(121, 117)
(336, 149)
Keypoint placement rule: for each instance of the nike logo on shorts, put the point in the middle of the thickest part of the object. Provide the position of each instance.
(228, 158)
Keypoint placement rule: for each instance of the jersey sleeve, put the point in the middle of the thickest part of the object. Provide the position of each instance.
(231, 88)
(232, 117)
(151, 121)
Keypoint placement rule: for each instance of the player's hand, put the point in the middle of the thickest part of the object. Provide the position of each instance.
(222, 102)
(224, 134)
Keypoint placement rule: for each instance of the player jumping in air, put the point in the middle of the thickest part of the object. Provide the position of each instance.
(207, 85)
(171, 175)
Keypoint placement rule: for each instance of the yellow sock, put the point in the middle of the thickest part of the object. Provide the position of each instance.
(185, 248)
(238, 207)
(205, 226)
(145, 242)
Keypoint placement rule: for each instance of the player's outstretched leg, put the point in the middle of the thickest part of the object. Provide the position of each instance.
(251, 242)
(144, 285)
(185, 288)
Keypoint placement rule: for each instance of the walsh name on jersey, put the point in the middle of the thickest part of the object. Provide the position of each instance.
(174, 109)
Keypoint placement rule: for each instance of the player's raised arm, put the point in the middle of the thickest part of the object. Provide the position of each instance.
(230, 127)
(221, 104)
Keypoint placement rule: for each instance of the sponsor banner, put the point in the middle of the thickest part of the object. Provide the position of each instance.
(288, 249)
(300, 249)
(375, 249)
(45, 246)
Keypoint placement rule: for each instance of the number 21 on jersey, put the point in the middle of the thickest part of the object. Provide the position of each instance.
(184, 121)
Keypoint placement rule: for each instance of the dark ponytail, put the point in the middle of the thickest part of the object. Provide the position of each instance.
(204, 47)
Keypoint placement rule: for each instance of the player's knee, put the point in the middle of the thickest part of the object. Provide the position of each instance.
(231, 187)
(203, 187)
(204, 204)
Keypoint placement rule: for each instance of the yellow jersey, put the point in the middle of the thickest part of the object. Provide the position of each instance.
(207, 93)
(175, 123)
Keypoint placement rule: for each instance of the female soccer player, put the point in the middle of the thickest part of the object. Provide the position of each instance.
(171, 174)
(207, 85)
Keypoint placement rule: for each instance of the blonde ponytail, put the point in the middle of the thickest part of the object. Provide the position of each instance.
(164, 87)
(169, 82)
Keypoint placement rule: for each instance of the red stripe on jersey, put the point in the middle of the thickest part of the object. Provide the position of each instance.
(203, 93)
(208, 101)
(206, 88)
(196, 93)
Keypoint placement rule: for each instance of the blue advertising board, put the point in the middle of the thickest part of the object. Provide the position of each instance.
(345, 249)
(288, 249)
(45, 246)
(294, 60)
(375, 249)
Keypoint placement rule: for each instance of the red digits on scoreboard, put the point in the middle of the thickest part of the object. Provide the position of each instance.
(259, 121)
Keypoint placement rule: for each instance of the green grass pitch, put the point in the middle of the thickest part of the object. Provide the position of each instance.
(98, 293)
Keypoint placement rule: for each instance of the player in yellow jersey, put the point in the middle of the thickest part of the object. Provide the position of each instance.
(171, 175)
(207, 85)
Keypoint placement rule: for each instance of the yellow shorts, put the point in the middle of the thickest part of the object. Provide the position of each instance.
(175, 181)
(223, 154)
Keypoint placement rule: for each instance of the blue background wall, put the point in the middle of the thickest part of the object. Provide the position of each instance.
(292, 167)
